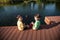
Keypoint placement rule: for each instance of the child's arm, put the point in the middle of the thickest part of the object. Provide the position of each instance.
(37, 24)
(22, 26)
(32, 23)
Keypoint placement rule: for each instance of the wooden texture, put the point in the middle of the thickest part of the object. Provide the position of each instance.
(12, 33)
(47, 32)
(52, 19)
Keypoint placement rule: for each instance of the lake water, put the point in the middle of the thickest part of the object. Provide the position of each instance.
(8, 13)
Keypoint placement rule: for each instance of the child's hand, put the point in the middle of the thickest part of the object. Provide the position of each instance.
(32, 22)
(27, 26)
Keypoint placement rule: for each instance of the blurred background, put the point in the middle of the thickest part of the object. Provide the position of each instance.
(9, 9)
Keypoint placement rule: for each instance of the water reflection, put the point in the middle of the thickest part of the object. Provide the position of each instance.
(8, 13)
(50, 9)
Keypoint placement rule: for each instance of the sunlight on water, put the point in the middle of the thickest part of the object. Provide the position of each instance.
(8, 13)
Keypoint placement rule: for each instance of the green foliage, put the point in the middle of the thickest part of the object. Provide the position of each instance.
(38, 1)
(4, 1)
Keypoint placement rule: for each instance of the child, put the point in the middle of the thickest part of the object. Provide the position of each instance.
(27, 21)
(36, 25)
(20, 23)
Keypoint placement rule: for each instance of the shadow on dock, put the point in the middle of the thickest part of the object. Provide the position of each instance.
(53, 24)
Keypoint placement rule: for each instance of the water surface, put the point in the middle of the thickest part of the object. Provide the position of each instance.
(8, 13)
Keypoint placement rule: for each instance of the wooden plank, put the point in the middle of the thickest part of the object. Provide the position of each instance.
(54, 18)
(47, 21)
(1, 33)
(52, 34)
(59, 31)
(34, 35)
(25, 35)
(47, 35)
(55, 30)
(5, 33)
(2, 29)
(38, 35)
(50, 19)
(20, 35)
(12, 34)
(9, 33)
(16, 34)
(30, 35)
(42, 34)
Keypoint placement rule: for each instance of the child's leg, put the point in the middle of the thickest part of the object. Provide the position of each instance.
(20, 28)
(34, 28)
(26, 27)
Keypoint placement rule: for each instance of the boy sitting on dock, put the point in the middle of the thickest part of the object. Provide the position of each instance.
(20, 23)
(36, 25)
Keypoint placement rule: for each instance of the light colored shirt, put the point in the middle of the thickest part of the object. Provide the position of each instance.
(20, 25)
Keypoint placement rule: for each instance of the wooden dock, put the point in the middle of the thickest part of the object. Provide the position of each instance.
(12, 33)
(48, 32)
(52, 19)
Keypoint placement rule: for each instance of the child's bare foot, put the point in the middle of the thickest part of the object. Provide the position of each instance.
(20, 29)
(34, 29)
(27, 26)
